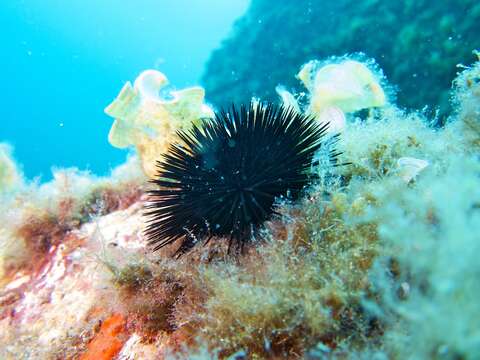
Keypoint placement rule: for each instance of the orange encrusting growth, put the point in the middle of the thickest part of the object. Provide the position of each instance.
(109, 341)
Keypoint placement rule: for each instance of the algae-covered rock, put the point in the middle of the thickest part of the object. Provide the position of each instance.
(416, 43)
(429, 292)
(378, 259)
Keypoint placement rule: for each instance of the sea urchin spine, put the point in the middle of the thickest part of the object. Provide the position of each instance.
(223, 178)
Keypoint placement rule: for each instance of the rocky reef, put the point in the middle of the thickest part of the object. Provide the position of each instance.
(417, 44)
(377, 260)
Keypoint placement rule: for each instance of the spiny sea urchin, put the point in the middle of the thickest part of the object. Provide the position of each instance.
(224, 178)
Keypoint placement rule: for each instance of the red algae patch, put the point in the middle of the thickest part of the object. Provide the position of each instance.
(109, 340)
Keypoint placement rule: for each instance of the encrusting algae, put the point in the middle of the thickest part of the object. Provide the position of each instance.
(376, 261)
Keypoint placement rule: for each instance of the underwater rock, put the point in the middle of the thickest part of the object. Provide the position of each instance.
(416, 43)
(145, 120)
(37, 217)
(362, 266)
(430, 241)
(55, 308)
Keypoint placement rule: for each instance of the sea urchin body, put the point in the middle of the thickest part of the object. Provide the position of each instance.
(224, 177)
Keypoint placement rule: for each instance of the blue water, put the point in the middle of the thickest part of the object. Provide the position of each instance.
(63, 61)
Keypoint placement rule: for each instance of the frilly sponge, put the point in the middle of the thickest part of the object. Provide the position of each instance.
(336, 89)
(148, 122)
(224, 178)
(349, 86)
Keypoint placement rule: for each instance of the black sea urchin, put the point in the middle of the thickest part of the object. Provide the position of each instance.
(224, 178)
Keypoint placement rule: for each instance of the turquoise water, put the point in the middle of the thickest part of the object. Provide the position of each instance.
(63, 61)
